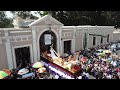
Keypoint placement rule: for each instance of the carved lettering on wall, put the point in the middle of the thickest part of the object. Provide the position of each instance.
(12, 40)
(78, 33)
(30, 37)
(67, 34)
(24, 39)
(18, 39)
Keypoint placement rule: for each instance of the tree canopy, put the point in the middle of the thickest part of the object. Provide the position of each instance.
(4, 21)
(24, 14)
(83, 17)
(106, 18)
(70, 18)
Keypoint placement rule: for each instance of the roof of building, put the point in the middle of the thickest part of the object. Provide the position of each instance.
(25, 23)
(43, 18)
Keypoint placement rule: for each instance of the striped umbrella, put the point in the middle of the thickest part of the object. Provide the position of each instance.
(3, 74)
(7, 71)
(23, 71)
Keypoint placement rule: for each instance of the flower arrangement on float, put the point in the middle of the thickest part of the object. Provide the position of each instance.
(41, 70)
(70, 65)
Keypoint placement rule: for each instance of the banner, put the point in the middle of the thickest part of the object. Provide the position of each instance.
(47, 39)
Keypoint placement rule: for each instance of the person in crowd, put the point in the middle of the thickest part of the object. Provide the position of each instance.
(94, 66)
(87, 75)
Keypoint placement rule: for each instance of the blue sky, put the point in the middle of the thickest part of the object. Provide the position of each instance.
(10, 15)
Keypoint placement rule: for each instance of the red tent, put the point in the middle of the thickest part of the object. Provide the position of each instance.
(83, 59)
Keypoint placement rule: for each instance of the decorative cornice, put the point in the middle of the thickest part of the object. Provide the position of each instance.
(17, 38)
(20, 31)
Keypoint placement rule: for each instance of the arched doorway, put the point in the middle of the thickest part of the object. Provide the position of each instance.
(53, 40)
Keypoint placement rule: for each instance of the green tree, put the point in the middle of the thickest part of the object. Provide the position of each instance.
(4, 21)
(108, 16)
(70, 17)
(24, 14)
(116, 18)
(85, 17)
(43, 13)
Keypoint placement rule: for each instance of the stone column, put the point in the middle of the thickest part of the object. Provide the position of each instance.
(73, 40)
(9, 51)
(58, 45)
(35, 58)
(31, 53)
(60, 41)
(82, 38)
(111, 36)
(105, 38)
(100, 37)
(88, 44)
(62, 51)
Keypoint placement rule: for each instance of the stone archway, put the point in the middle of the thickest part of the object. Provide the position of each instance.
(57, 41)
(53, 41)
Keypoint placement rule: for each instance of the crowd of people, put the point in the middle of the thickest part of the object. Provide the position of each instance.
(36, 75)
(95, 65)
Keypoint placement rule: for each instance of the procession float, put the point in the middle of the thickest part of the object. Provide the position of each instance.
(67, 69)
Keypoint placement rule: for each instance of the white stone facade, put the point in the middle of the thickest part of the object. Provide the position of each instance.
(11, 38)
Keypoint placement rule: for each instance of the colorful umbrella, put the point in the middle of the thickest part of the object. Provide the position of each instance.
(37, 65)
(104, 59)
(107, 51)
(27, 75)
(3, 74)
(41, 70)
(7, 71)
(23, 71)
(110, 59)
(83, 59)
